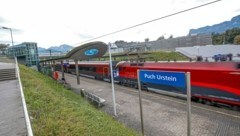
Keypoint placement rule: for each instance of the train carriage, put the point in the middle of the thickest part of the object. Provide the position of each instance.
(210, 81)
(214, 82)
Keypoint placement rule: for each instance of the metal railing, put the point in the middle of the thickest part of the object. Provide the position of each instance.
(27, 120)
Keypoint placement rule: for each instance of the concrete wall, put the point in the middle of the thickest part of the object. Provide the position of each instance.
(169, 44)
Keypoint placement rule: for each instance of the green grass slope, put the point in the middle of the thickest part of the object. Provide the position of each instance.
(164, 56)
(55, 111)
(150, 56)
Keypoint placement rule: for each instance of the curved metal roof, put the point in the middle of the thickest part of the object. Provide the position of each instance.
(86, 51)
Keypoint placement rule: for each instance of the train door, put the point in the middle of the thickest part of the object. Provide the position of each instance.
(105, 72)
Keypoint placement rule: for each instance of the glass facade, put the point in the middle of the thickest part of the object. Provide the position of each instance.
(26, 52)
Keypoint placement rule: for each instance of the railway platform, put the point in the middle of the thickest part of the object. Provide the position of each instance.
(162, 115)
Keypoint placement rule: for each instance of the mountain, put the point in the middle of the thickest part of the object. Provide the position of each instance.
(217, 28)
(41, 50)
(64, 48)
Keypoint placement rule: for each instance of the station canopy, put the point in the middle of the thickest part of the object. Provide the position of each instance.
(85, 52)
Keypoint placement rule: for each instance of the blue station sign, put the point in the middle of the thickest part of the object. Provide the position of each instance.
(91, 52)
(176, 79)
(115, 73)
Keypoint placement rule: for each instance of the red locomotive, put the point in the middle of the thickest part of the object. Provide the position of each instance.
(214, 82)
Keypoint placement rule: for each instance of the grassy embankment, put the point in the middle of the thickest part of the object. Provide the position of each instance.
(164, 56)
(152, 56)
(56, 111)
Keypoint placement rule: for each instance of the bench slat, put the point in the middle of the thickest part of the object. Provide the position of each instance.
(94, 97)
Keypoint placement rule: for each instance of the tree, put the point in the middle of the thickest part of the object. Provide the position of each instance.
(146, 39)
(160, 38)
(119, 42)
(170, 37)
(3, 47)
(226, 37)
(230, 35)
(218, 39)
(237, 40)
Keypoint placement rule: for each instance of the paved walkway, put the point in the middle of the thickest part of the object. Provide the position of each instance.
(12, 122)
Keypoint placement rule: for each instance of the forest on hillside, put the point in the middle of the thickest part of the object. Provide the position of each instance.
(231, 36)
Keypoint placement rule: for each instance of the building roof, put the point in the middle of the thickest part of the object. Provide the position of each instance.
(83, 52)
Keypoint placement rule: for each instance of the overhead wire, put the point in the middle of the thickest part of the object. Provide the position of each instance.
(150, 21)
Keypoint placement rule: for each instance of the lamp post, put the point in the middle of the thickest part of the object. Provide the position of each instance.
(10, 32)
(197, 51)
(112, 80)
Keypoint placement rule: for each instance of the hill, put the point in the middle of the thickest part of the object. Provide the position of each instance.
(218, 28)
(64, 48)
(42, 50)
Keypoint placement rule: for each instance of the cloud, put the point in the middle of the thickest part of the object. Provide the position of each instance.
(2, 20)
(238, 10)
(139, 31)
(84, 36)
(17, 31)
(6, 42)
(202, 0)
(68, 23)
(14, 30)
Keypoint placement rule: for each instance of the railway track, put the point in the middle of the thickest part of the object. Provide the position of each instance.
(162, 114)
(151, 95)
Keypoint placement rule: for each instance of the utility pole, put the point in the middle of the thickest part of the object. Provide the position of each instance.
(50, 51)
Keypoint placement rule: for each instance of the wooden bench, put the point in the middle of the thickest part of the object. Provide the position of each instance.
(93, 97)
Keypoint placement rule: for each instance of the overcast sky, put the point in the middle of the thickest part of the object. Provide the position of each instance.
(56, 22)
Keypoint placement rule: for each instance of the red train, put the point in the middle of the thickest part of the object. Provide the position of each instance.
(212, 82)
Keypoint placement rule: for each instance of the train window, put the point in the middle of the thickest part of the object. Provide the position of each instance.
(133, 64)
(85, 68)
(92, 69)
(140, 64)
(238, 66)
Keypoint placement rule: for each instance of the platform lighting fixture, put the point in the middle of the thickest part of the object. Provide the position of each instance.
(197, 47)
(112, 78)
(10, 33)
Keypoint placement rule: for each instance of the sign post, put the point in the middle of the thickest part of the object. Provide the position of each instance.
(175, 79)
(188, 104)
(140, 102)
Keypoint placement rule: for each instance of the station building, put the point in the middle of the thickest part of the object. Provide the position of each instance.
(26, 53)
